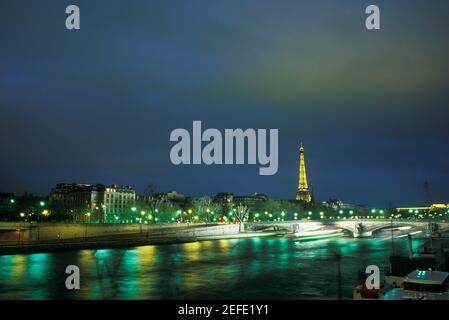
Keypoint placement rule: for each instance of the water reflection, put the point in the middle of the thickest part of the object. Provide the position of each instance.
(259, 268)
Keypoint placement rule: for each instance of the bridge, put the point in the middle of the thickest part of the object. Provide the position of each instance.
(357, 227)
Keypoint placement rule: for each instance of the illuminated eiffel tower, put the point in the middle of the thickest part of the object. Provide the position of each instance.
(303, 193)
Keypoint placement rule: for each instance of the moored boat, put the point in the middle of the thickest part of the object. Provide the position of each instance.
(421, 285)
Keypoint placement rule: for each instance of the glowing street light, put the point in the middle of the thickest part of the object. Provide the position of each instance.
(12, 201)
(133, 209)
(22, 215)
(42, 203)
(351, 211)
(340, 211)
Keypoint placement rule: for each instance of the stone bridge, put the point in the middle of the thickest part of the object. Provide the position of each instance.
(357, 227)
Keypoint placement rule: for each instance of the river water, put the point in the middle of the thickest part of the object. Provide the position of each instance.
(257, 268)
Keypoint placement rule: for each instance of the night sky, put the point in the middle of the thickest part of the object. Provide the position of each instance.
(98, 105)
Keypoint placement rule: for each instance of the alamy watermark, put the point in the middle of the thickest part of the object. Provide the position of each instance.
(72, 21)
(189, 148)
(373, 280)
(72, 282)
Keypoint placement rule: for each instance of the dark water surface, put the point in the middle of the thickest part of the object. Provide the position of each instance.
(258, 268)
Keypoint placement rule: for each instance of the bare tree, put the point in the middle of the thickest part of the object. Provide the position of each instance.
(241, 213)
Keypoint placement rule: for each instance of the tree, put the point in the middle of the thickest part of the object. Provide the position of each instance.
(241, 213)
(203, 207)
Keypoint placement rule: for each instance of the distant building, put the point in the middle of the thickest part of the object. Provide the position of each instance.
(92, 203)
(172, 197)
(336, 204)
(229, 200)
(224, 199)
(251, 201)
(432, 208)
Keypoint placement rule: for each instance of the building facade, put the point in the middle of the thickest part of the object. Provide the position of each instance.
(93, 203)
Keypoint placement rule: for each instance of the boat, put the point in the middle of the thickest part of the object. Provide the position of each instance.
(428, 257)
(400, 268)
(421, 285)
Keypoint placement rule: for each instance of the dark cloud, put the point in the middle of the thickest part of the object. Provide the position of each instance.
(98, 105)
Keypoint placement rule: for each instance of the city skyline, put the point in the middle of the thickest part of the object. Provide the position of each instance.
(98, 104)
(210, 158)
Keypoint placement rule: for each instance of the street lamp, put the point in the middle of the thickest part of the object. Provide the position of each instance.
(42, 203)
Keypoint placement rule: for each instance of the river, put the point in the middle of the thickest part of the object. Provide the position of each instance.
(256, 268)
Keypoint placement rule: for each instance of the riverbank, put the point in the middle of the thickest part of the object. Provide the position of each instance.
(119, 241)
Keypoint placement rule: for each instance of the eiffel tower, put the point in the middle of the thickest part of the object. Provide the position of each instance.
(303, 193)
